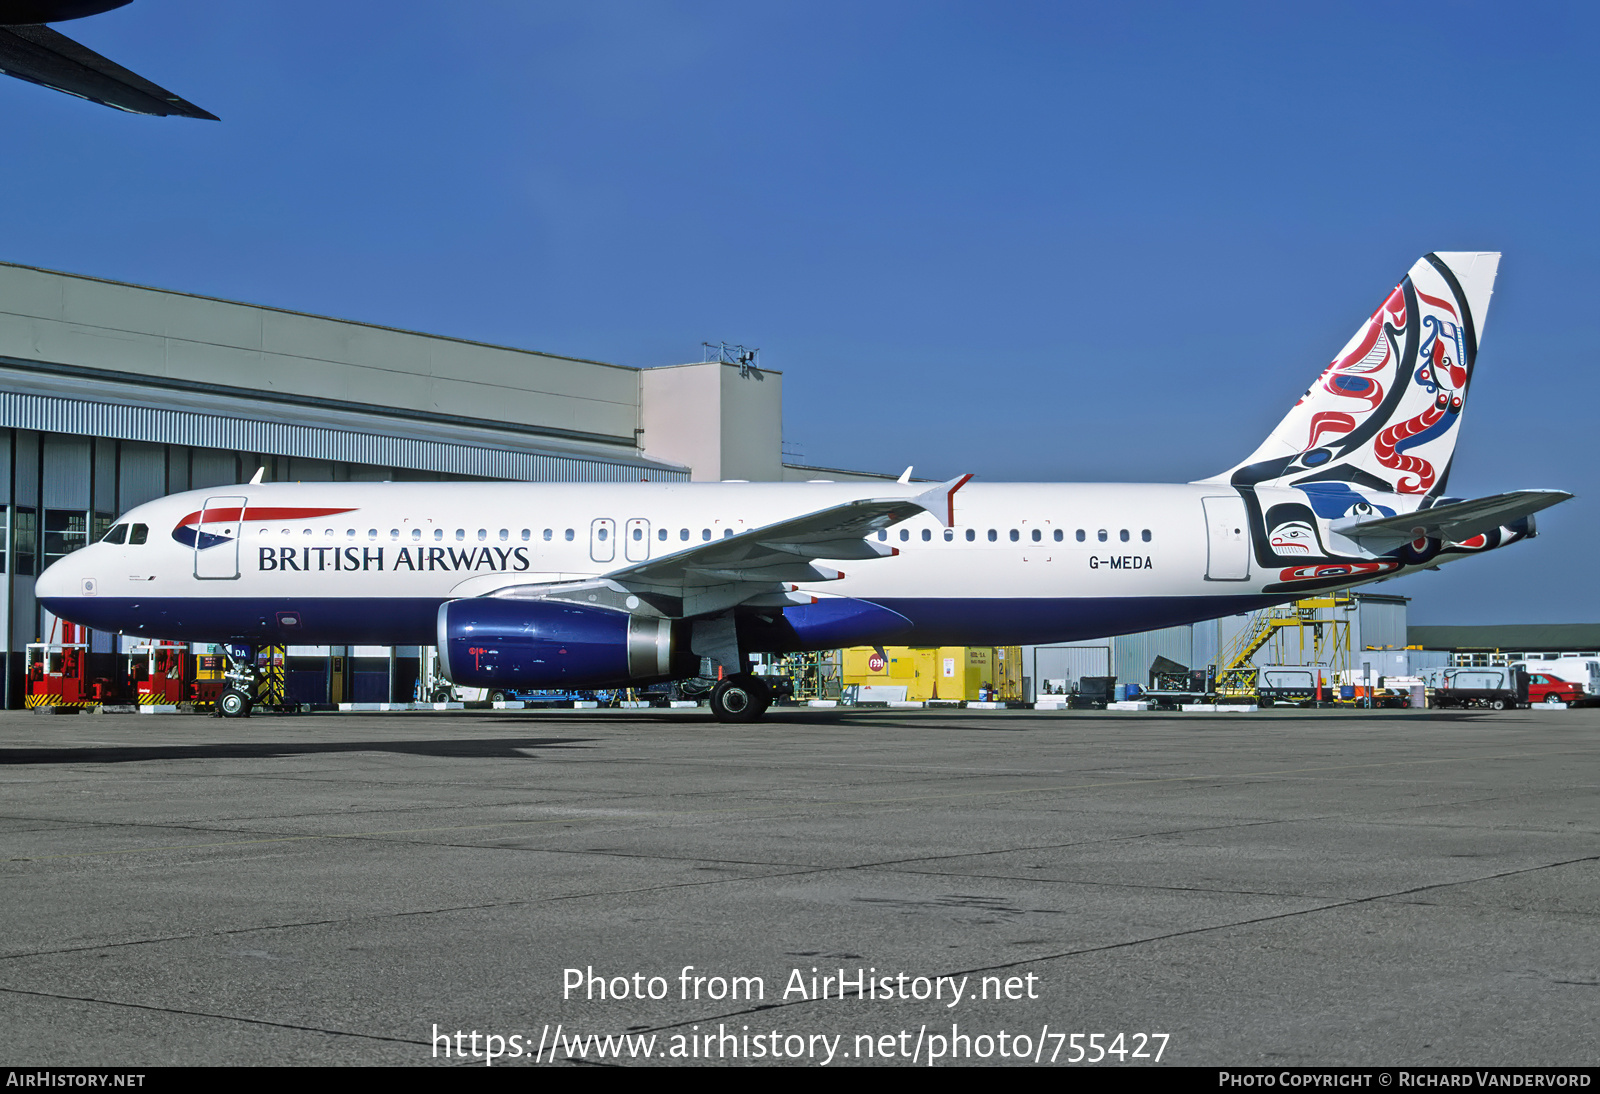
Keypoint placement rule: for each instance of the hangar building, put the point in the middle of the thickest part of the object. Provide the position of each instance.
(114, 394)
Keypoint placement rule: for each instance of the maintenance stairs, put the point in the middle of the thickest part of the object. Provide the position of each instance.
(1238, 677)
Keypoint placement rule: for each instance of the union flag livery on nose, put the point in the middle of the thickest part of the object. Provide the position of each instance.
(189, 534)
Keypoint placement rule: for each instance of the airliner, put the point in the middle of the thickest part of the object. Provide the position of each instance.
(537, 586)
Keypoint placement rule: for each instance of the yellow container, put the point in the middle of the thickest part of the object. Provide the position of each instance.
(1007, 679)
(943, 672)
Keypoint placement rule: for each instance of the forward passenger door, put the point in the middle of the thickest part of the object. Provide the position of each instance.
(216, 539)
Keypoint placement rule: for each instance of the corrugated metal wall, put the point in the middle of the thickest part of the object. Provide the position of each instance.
(1134, 653)
(90, 419)
(1069, 663)
(141, 475)
(1382, 624)
(66, 473)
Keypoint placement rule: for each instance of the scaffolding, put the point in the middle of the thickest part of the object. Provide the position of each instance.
(816, 675)
(1318, 626)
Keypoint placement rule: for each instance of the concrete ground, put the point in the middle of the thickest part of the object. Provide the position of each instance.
(1281, 888)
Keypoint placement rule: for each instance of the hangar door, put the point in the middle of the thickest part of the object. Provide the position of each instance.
(1227, 539)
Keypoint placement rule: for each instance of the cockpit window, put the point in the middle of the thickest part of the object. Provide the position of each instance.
(118, 534)
(138, 534)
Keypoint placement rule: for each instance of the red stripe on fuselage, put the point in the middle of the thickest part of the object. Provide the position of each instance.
(265, 512)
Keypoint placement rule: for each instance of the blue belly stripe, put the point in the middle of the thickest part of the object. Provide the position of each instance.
(410, 621)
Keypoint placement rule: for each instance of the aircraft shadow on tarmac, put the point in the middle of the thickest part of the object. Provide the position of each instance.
(509, 748)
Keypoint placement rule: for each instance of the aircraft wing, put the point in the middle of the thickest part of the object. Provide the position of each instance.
(35, 53)
(759, 566)
(1453, 522)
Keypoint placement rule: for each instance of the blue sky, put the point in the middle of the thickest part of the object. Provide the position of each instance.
(1030, 241)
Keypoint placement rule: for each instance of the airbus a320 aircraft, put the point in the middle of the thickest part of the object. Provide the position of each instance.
(588, 585)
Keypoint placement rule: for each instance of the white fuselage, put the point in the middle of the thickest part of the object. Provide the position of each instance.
(371, 562)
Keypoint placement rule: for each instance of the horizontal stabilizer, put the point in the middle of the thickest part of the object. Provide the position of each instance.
(1454, 522)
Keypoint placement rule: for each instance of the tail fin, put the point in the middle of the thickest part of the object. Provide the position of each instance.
(1385, 413)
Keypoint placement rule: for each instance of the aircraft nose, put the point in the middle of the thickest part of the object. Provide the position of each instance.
(61, 579)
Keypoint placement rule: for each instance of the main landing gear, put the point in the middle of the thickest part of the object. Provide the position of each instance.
(239, 696)
(742, 697)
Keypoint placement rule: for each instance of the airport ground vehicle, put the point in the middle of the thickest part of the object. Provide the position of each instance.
(1492, 687)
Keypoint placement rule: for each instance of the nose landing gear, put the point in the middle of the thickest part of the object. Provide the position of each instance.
(239, 696)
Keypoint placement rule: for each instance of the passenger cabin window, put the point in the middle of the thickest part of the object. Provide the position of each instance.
(949, 534)
(638, 534)
(527, 534)
(549, 534)
(461, 534)
(1102, 535)
(600, 533)
(1123, 535)
(705, 533)
(1060, 535)
(1037, 535)
(483, 534)
(118, 534)
(1145, 535)
(372, 533)
(727, 533)
(661, 535)
(905, 534)
(882, 535)
(972, 534)
(993, 535)
(926, 535)
(1081, 535)
(1015, 535)
(683, 534)
(505, 534)
(568, 534)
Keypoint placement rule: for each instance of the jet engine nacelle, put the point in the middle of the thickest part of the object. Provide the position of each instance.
(539, 644)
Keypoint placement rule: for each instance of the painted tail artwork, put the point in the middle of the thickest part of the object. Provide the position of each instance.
(1385, 414)
(1351, 482)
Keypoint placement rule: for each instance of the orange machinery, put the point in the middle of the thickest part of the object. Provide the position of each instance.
(165, 674)
(159, 673)
(58, 672)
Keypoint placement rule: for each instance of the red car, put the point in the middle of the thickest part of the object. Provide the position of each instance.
(1544, 688)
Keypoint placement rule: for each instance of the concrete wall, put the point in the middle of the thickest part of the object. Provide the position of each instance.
(67, 319)
(708, 417)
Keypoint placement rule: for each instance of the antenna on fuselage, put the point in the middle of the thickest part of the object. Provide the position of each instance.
(255, 480)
